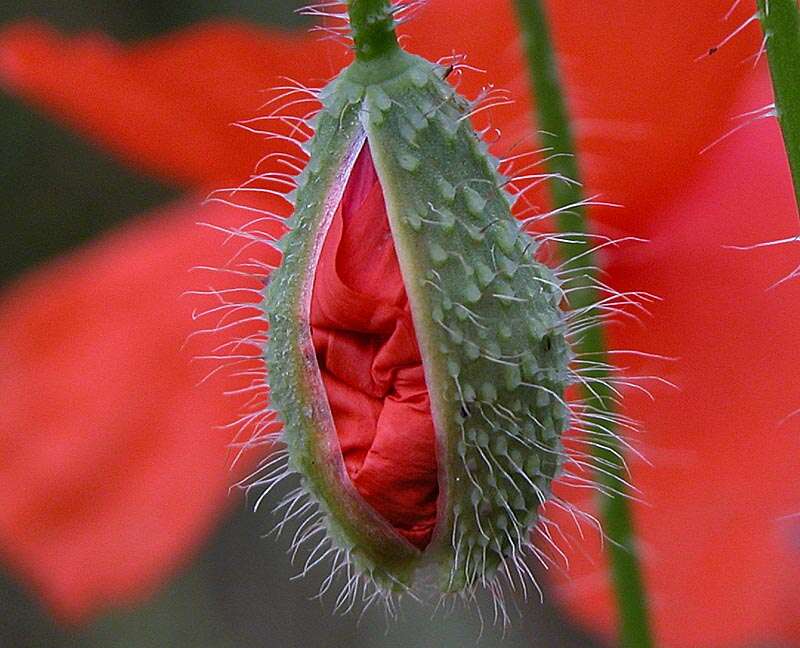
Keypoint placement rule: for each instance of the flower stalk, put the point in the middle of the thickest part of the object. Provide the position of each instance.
(556, 134)
(372, 25)
(780, 20)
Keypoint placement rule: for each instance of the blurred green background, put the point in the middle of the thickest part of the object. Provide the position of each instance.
(56, 192)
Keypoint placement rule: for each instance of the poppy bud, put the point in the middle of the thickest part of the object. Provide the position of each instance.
(399, 182)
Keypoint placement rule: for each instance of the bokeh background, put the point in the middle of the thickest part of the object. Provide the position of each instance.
(56, 192)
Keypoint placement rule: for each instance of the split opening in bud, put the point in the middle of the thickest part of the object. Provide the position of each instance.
(370, 361)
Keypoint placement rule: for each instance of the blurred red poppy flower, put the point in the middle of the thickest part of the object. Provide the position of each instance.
(104, 402)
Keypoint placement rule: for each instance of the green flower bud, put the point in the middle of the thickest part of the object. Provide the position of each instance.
(486, 316)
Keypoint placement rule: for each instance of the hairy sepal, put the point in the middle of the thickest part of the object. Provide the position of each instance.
(296, 390)
(486, 315)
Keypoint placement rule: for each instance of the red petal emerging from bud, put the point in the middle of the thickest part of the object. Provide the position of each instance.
(370, 362)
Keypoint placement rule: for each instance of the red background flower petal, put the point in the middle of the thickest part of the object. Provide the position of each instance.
(720, 559)
(643, 106)
(640, 99)
(166, 106)
(111, 468)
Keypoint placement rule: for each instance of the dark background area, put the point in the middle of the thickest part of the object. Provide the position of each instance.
(56, 192)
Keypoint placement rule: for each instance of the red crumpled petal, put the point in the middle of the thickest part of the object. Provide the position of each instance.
(111, 468)
(371, 364)
(722, 563)
(166, 106)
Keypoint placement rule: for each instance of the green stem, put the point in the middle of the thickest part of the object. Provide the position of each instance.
(553, 121)
(372, 23)
(780, 20)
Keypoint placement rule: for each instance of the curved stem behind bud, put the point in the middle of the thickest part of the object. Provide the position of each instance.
(553, 120)
(372, 22)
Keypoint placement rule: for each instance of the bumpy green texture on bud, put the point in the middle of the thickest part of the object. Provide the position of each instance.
(486, 315)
